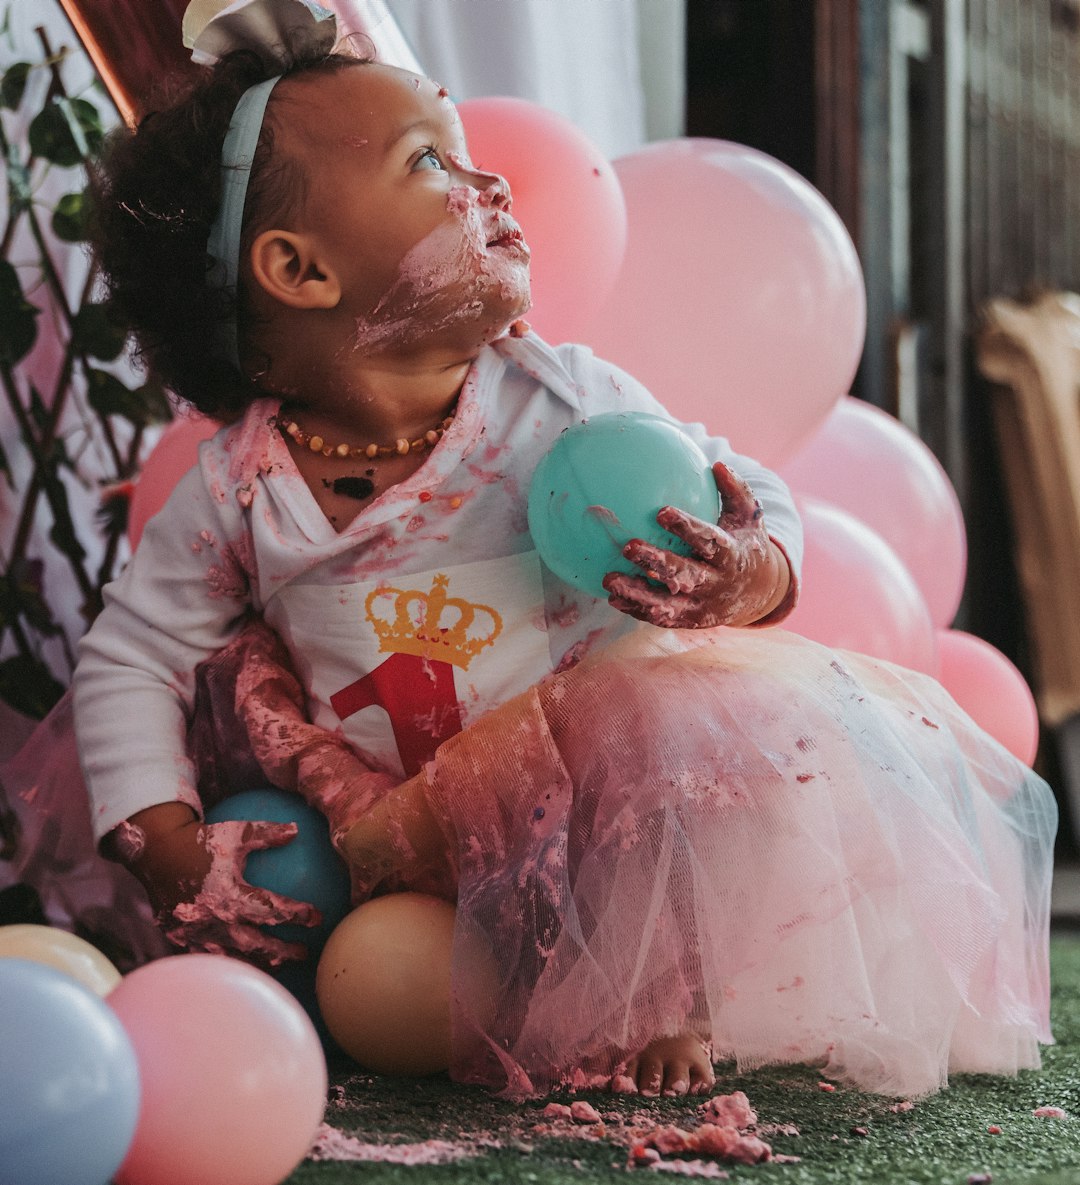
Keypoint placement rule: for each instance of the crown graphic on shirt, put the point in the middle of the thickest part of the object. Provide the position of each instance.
(431, 624)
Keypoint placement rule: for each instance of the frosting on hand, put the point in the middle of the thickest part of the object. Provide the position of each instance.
(736, 575)
(227, 915)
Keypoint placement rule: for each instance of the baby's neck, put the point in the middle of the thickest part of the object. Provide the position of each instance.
(375, 400)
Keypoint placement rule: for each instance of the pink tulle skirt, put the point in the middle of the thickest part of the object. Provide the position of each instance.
(807, 855)
(52, 855)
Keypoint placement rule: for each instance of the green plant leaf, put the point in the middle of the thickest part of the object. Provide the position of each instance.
(66, 132)
(69, 218)
(113, 513)
(13, 84)
(96, 334)
(155, 401)
(24, 596)
(18, 180)
(108, 396)
(39, 413)
(62, 533)
(28, 686)
(18, 317)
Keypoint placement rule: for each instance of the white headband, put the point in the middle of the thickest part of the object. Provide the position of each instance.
(237, 153)
(272, 29)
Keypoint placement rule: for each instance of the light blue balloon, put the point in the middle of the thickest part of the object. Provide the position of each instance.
(69, 1080)
(307, 868)
(601, 484)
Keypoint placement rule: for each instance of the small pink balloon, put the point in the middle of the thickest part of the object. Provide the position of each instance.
(566, 198)
(740, 302)
(991, 690)
(869, 464)
(233, 1073)
(175, 453)
(856, 593)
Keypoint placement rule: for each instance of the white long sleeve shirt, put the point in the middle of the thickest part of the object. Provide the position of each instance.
(431, 607)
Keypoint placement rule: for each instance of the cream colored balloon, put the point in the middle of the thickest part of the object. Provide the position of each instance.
(383, 984)
(62, 950)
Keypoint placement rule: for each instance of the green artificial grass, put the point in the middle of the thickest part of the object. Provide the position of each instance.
(942, 1140)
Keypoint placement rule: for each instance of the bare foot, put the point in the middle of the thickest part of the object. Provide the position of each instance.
(669, 1066)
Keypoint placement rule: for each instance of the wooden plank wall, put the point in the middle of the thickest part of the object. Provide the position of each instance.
(838, 89)
(1023, 146)
(1023, 235)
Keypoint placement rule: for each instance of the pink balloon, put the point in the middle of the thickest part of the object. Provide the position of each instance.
(740, 302)
(173, 455)
(856, 593)
(233, 1074)
(991, 690)
(867, 463)
(566, 198)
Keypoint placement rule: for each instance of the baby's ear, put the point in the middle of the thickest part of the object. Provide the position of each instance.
(286, 266)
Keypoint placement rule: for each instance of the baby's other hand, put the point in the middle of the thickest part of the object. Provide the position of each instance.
(194, 875)
(736, 575)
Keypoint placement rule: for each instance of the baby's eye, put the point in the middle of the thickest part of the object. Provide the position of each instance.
(428, 159)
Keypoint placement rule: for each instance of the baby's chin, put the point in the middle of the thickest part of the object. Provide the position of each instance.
(504, 300)
(461, 329)
(509, 319)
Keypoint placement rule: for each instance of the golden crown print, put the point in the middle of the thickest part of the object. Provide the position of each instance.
(431, 624)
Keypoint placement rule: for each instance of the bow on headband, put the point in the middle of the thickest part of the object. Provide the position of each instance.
(211, 28)
(272, 29)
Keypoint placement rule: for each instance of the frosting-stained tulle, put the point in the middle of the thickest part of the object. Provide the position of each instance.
(49, 847)
(809, 855)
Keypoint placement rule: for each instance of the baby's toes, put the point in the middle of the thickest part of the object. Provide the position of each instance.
(702, 1077)
(677, 1078)
(650, 1075)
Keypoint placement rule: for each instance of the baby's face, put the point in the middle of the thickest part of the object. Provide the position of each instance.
(423, 243)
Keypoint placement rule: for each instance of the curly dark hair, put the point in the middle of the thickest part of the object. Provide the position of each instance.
(155, 194)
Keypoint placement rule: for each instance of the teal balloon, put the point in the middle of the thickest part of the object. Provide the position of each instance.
(307, 868)
(69, 1080)
(601, 484)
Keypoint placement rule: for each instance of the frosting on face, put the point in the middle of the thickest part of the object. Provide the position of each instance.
(472, 265)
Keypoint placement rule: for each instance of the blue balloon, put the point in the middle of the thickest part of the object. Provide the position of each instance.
(69, 1080)
(307, 868)
(601, 484)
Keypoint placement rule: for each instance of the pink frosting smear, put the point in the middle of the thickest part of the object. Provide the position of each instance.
(332, 1144)
(437, 277)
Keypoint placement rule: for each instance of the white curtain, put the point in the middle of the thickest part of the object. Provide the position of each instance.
(613, 67)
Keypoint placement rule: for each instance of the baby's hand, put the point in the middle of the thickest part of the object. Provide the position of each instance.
(227, 914)
(736, 576)
(194, 875)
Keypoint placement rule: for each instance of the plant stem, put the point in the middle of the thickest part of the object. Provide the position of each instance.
(42, 447)
(41, 463)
